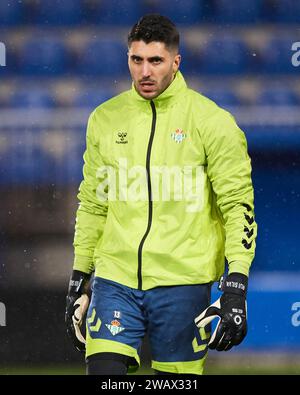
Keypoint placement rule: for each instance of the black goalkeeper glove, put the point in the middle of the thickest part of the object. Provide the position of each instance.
(231, 309)
(77, 302)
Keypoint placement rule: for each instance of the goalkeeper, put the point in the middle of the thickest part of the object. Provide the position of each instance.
(166, 199)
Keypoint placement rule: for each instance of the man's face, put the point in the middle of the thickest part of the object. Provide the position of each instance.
(152, 67)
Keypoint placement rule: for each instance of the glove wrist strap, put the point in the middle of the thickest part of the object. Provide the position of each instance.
(78, 282)
(235, 283)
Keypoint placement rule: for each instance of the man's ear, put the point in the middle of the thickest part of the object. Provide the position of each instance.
(176, 63)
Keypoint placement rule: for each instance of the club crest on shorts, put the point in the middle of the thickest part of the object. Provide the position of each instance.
(178, 136)
(114, 327)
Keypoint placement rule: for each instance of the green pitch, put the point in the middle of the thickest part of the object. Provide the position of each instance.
(280, 369)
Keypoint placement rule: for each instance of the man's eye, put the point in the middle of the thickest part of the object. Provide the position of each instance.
(156, 61)
(136, 60)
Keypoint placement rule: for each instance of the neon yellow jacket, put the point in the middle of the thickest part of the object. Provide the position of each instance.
(167, 191)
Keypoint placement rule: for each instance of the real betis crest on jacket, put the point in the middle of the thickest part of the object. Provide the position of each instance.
(178, 136)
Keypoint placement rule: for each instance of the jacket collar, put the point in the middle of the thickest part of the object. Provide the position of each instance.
(168, 96)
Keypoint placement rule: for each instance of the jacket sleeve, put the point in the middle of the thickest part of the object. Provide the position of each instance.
(229, 170)
(92, 211)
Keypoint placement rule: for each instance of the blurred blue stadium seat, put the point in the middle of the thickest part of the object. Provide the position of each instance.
(273, 140)
(25, 164)
(242, 11)
(190, 58)
(222, 96)
(11, 13)
(5, 148)
(92, 97)
(32, 97)
(287, 11)
(60, 12)
(103, 57)
(278, 96)
(116, 12)
(11, 57)
(276, 185)
(63, 151)
(181, 12)
(73, 161)
(225, 56)
(277, 56)
(43, 167)
(43, 56)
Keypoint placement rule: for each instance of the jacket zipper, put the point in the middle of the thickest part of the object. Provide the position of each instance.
(139, 274)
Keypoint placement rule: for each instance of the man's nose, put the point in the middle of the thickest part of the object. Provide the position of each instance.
(146, 70)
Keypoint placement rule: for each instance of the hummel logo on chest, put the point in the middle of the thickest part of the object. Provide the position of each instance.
(122, 138)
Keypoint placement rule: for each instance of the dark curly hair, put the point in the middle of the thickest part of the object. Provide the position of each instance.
(155, 27)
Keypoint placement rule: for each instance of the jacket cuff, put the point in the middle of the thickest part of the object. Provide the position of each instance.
(239, 267)
(83, 264)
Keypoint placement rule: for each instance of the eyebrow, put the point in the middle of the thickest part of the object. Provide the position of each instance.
(151, 59)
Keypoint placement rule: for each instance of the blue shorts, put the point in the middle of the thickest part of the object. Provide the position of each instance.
(119, 317)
